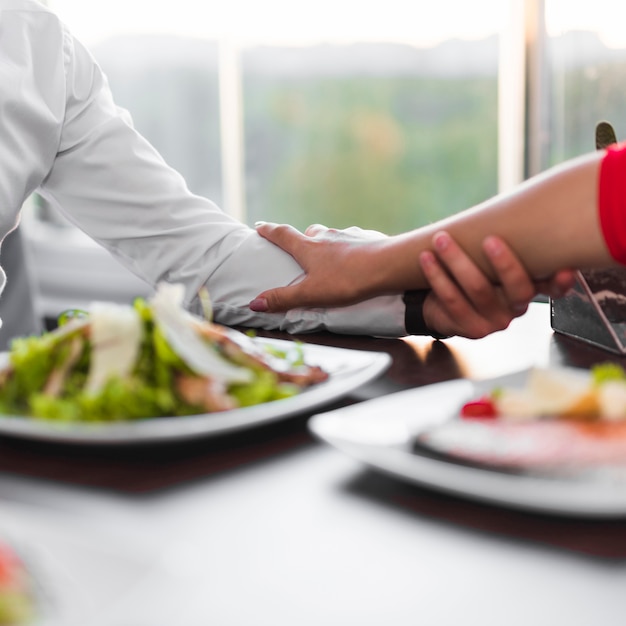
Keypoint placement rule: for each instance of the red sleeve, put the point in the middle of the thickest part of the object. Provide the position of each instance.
(612, 201)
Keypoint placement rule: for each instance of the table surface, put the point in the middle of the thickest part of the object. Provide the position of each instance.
(300, 534)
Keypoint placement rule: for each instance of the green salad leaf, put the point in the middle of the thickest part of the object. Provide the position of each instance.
(605, 372)
(144, 369)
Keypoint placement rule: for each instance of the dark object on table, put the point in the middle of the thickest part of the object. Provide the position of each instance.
(595, 309)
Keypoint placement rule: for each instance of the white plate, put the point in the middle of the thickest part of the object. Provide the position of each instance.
(348, 370)
(380, 433)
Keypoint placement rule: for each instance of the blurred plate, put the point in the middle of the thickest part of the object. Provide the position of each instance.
(381, 433)
(348, 370)
(81, 571)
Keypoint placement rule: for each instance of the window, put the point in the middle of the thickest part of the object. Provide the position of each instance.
(383, 115)
(165, 73)
(586, 67)
(382, 118)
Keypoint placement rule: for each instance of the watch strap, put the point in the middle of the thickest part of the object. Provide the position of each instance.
(414, 314)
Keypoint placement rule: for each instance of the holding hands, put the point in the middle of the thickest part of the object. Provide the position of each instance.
(340, 269)
(463, 301)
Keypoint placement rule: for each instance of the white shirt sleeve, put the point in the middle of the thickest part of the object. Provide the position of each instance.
(112, 184)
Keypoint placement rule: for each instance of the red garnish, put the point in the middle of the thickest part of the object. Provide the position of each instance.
(483, 408)
(10, 566)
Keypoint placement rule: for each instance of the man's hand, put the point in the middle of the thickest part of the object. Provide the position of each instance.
(464, 302)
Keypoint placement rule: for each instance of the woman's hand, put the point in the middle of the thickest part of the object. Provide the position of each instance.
(320, 251)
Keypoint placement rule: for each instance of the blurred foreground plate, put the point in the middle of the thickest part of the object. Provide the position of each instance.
(347, 369)
(382, 432)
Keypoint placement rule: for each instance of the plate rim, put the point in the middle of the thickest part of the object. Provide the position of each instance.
(551, 495)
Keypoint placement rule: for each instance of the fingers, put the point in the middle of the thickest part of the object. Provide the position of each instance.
(558, 285)
(447, 309)
(517, 285)
(319, 256)
(463, 272)
(362, 233)
(351, 233)
(284, 236)
(316, 229)
(464, 301)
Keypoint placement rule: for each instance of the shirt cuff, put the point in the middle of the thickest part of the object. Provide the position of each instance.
(378, 317)
(254, 265)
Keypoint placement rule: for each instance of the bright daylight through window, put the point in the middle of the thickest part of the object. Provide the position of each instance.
(585, 74)
(381, 116)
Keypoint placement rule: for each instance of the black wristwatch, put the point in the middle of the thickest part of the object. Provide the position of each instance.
(414, 314)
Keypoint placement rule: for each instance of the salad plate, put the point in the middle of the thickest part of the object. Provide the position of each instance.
(347, 370)
(382, 434)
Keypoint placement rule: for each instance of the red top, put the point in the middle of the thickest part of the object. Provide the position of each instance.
(612, 201)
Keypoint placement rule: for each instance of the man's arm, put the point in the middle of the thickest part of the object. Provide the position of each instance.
(110, 182)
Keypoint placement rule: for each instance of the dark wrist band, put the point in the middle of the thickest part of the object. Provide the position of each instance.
(414, 314)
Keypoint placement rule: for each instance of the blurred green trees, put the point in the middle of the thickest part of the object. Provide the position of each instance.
(383, 153)
(331, 141)
(586, 95)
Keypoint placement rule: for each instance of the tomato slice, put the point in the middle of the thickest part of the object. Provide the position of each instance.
(482, 408)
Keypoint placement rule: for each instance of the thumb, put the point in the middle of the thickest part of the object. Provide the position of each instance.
(277, 300)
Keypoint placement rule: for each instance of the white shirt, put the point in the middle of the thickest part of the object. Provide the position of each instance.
(62, 135)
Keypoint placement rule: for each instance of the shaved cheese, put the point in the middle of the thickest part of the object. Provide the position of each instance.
(557, 391)
(612, 398)
(565, 393)
(178, 327)
(116, 332)
(549, 392)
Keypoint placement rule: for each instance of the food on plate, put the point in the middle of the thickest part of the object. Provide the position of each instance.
(560, 418)
(151, 359)
(17, 605)
(598, 394)
(525, 445)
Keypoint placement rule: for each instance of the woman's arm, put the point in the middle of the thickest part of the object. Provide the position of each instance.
(551, 222)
